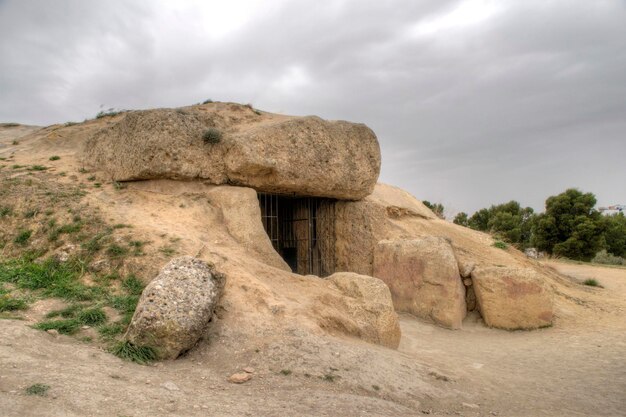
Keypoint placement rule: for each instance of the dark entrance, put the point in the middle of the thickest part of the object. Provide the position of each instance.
(302, 230)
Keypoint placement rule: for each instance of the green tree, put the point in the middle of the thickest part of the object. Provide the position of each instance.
(570, 226)
(508, 221)
(461, 219)
(615, 234)
(436, 208)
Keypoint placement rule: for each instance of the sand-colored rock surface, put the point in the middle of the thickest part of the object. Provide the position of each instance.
(270, 153)
(513, 298)
(423, 277)
(370, 308)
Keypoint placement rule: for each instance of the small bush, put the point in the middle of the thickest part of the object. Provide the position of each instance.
(212, 135)
(11, 304)
(22, 237)
(592, 282)
(500, 245)
(55, 158)
(285, 372)
(603, 257)
(207, 101)
(133, 353)
(38, 389)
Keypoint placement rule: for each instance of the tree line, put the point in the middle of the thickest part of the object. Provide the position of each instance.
(569, 227)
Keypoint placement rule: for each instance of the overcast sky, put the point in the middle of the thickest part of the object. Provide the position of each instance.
(474, 102)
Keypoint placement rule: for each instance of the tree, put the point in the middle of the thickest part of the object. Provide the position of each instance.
(461, 219)
(570, 226)
(615, 234)
(509, 221)
(436, 208)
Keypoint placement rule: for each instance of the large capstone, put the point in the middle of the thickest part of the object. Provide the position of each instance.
(272, 153)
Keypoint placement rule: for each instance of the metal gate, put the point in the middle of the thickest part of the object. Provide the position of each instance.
(302, 230)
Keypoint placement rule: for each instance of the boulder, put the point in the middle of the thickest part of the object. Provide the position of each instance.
(305, 156)
(176, 307)
(364, 310)
(423, 277)
(512, 298)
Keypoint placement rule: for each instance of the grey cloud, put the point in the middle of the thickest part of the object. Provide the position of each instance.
(520, 105)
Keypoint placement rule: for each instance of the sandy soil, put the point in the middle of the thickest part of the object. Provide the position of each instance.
(576, 368)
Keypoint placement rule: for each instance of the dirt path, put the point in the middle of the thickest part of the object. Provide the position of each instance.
(577, 368)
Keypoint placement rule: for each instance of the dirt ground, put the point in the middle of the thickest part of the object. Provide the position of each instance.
(576, 368)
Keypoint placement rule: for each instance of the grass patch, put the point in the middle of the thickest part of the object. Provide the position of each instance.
(285, 372)
(109, 331)
(67, 326)
(12, 304)
(54, 158)
(92, 316)
(329, 377)
(67, 312)
(133, 353)
(116, 251)
(5, 211)
(212, 136)
(53, 278)
(500, 244)
(38, 389)
(29, 214)
(133, 285)
(37, 168)
(592, 282)
(22, 237)
(167, 250)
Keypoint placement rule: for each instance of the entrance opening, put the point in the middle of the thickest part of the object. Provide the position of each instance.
(302, 230)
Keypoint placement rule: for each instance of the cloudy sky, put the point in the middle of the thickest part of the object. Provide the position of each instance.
(474, 102)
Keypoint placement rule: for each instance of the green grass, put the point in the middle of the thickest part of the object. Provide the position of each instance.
(125, 304)
(116, 251)
(92, 316)
(592, 282)
(133, 285)
(29, 214)
(67, 312)
(22, 237)
(133, 353)
(38, 389)
(55, 158)
(53, 278)
(37, 168)
(66, 326)
(500, 245)
(5, 211)
(109, 331)
(12, 304)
